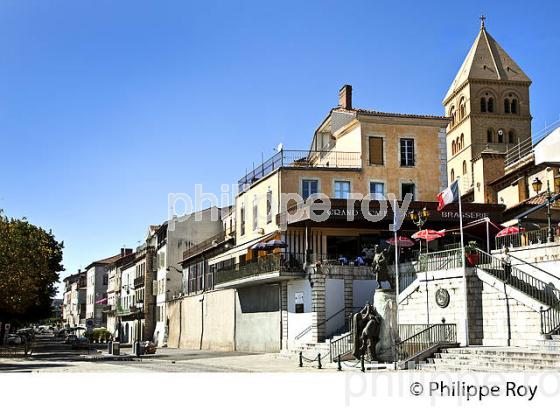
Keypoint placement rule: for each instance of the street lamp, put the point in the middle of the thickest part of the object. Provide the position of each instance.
(419, 218)
(537, 186)
(139, 306)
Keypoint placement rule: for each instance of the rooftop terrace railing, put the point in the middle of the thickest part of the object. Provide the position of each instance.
(301, 159)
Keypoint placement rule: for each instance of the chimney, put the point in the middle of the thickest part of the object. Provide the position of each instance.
(125, 251)
(345, 97)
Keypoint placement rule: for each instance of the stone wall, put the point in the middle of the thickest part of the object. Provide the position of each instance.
(420, 307)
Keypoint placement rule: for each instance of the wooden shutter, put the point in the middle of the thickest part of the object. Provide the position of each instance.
(376, 150)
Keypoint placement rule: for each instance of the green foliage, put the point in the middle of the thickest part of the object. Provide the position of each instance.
(30, 260)
(100, 334)
(470, 247)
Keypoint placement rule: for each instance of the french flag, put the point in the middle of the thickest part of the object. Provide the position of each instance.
(448, 195)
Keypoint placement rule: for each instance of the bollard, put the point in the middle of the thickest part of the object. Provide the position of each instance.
(339, 364)
(319, 361)
(363, 364)
(300, 359)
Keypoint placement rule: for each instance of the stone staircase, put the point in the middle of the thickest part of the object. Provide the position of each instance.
(311, 350)
(489, 359)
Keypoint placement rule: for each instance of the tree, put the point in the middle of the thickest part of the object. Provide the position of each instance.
(30, 262)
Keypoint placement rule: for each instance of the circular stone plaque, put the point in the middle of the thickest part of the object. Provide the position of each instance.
(442, 298)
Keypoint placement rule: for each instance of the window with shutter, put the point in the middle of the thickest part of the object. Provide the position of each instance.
(376, 151)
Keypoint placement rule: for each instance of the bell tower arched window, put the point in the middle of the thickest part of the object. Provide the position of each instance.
(514, 106)
(511, 137)
(490, 104)
(490, 135)
(464, 167)
(452, 175)
(453, 147)
(507, 108)
(483, 104)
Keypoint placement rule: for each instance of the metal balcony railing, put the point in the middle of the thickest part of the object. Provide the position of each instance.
(301, 159)
(276, 262)
(204, 245)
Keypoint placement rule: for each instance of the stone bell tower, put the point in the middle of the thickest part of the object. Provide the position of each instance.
(488, 103)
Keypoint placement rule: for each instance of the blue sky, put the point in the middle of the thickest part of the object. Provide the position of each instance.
(108, 106)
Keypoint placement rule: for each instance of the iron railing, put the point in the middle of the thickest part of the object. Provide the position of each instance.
(425, 339)
(537, 289)
(303, 159)
(441, 260)
(528, 238)
(204, 245)
(342, 329)
(408, 330)
(406, 279)
(518, 152)
(276, 262)
(550, 320)
(341, 346)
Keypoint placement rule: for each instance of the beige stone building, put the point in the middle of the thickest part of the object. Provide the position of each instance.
(488, 103)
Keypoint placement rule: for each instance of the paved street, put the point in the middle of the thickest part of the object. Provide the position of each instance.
(52, 355)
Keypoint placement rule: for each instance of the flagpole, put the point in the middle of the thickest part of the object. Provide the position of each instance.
(397, 290)
(463, 267)
(396, 258)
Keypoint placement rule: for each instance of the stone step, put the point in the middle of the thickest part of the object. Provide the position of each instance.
(510, 363)
(501, 352)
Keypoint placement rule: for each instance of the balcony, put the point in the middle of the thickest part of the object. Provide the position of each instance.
(302, 159)
(204, 245)
(138, 282)
(269, 268)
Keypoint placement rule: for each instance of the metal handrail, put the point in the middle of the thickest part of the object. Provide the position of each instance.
(550, 321)
(426, 339)
(301, 158)
(275, 262)
(341, 346)
(440, 260)
(309, 328)
(522, 281)
(532, 265)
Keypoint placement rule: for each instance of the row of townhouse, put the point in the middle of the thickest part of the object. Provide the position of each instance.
(128, 293)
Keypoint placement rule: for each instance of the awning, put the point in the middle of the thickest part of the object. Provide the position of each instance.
(537, 207)
(240, 249)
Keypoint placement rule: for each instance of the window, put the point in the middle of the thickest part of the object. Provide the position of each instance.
(453, 147)
(514, 106)
(511, 137)
(255, 214)
(105, 279)
(490, 135)
(341, 189)
(408, 188)
(375, 150)
(462, 111)
(462, 141)
(483, 104)
(377, 188)
(490, 104)
(500, 136)
(407, 152)
(268, 206)
(506, 106)
(242, 220)
(452, 175)
(309, 187)
(464, 167)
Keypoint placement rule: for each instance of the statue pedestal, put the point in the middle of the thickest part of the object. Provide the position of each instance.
(385, 302)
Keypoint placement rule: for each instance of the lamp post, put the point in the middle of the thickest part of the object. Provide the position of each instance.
(537, 186)
(139, 306)
(419, 218)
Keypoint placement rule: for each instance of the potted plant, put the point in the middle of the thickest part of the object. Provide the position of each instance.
(470, 253)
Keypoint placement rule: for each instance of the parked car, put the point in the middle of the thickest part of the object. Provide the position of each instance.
(80, 343)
